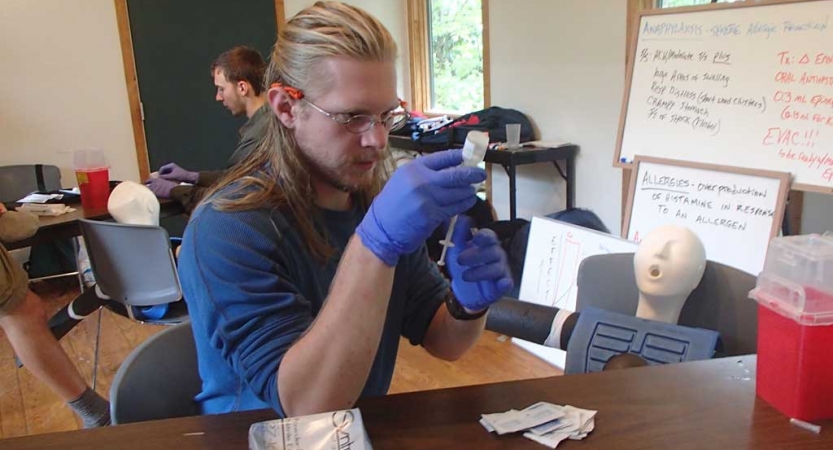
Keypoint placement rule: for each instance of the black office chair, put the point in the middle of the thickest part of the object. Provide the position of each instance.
(20, 180)
(720, 302)
(158, 380)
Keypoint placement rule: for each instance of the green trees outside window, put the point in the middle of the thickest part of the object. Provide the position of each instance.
(456, 55)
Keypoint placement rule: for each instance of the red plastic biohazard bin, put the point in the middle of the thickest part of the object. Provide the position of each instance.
(93, 176)
(795, 326)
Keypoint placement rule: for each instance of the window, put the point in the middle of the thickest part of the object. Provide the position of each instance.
(676, 3)
(448, 55)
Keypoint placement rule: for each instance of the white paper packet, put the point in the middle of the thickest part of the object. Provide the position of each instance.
(532, 416)
(337, 430)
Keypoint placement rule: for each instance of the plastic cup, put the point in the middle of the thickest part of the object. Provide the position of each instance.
(93, 175)
(513, 135)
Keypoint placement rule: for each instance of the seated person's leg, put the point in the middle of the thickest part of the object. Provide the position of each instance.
(88, 302)
(23, 319)
(176, 242)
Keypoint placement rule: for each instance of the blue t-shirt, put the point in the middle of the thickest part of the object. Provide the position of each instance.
(253, 288)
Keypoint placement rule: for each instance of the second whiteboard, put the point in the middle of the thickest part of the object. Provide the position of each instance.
(734, 211)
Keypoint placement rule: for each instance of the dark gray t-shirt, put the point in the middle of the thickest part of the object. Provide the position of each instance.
(250, 134)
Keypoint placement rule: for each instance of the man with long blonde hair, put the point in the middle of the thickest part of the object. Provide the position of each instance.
(305, 264)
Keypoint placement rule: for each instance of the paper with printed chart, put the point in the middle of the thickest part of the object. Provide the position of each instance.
(553, 254)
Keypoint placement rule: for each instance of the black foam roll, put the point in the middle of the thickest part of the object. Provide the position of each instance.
(528, 321)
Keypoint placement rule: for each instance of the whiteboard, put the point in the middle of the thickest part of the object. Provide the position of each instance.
(742, 85)
(553, 254)
(735, 212)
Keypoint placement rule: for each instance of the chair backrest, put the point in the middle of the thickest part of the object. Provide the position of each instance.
(720, 302)
(20, 180)
(158, 380)
(132, 264)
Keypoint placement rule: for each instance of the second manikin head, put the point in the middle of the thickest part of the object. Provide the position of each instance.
(133, 203)
(668, 265)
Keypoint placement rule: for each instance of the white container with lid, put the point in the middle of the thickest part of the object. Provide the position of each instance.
(797, 280)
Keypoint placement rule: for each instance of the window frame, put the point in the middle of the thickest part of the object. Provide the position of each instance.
(420, 58)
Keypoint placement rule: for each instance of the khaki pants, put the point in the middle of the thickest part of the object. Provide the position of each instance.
(13, 283)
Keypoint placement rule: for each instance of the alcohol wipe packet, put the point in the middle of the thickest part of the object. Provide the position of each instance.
(337, 430)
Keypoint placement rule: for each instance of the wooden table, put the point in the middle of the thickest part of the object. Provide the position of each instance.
(700, 405)
(510, 160)
(66, 225)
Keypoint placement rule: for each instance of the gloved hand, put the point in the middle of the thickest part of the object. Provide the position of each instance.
(478, 266)
(173, 172)
(419, 197)
(161, 188)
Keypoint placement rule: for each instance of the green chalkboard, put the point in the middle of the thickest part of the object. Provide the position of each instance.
(174, 43)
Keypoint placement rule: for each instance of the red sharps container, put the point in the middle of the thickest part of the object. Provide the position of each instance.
(795, 326)
(93, 176)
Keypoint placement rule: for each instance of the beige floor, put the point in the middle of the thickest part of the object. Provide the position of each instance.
(27, 407)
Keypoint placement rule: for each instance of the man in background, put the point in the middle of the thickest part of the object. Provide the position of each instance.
(23, 319)
(238, 77)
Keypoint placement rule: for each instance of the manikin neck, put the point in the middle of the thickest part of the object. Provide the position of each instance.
(662, 308)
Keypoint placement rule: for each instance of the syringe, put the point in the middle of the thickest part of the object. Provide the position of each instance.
(474, 150)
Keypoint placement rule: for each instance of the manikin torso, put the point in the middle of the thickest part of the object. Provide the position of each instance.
(668, 265)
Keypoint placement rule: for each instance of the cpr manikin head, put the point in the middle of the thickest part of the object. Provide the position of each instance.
(134, 204)
(668, 265)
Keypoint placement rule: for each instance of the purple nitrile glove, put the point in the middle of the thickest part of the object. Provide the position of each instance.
(173, 172)
(419, 196)
(478, 266)
(161, 188)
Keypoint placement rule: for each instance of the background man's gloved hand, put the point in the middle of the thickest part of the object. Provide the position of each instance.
(418, 198)
(478, 266)
(161, 188)
(173, 172)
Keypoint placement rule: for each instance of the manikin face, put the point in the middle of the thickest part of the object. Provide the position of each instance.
(230, 94)
(669, 262)
(339, 157)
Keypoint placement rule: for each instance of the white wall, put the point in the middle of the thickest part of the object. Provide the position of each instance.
(63, 85)
(392, 13)
(563, 64)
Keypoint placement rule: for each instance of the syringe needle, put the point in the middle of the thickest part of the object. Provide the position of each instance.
(447, 241)
(474, 150)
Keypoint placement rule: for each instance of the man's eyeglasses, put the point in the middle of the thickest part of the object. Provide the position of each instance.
(361, 123)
